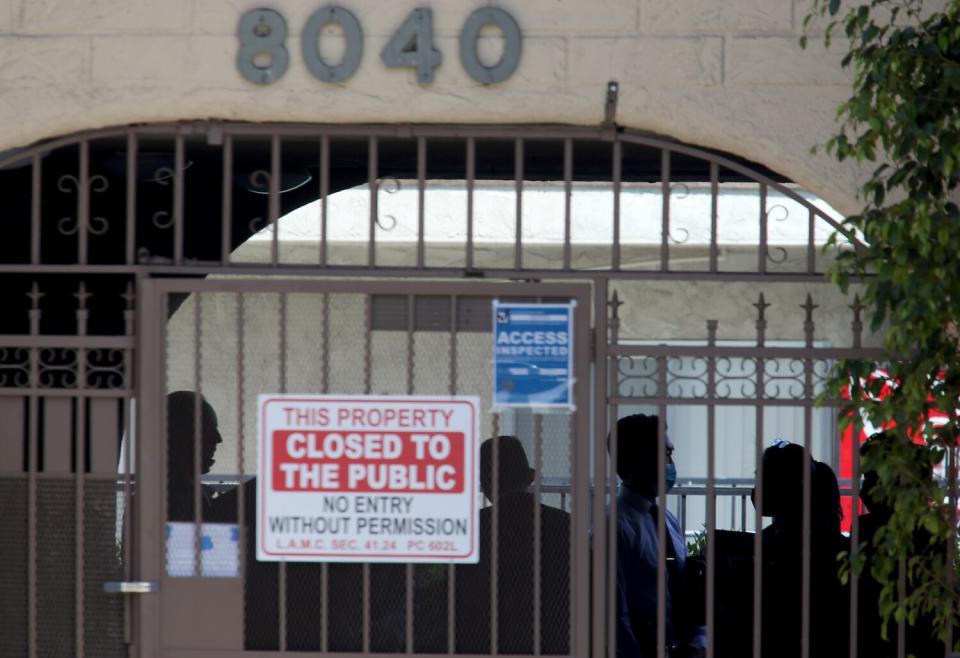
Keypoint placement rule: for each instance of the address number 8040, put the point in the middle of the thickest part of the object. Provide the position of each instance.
(263, 57)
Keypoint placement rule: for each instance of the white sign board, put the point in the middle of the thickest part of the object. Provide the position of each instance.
(367, 479)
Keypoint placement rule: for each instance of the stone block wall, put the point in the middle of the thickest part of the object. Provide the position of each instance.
(723, 74)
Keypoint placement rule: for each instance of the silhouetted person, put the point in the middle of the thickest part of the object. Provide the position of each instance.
(515, 565)
(303, 590)
(919, 639)
(181, 453)
(783, 472)
(826, 497)
(638, 548)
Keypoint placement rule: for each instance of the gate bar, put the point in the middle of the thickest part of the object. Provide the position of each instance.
(282, 567)
(83, 203)
(495, 537)
(226, 217)
(665, 207)
(276, 171)
(855, 533)
(599, 621)
(567, 194)
(617, 188)
(197, 434)
(471, 174)
(325, 388)
(763, 249)
(711, 494)
(421, 200)
(36, 179)
(133, 150)
(33, 466)
(367, 372)
(451, 570)
(411, 310)
(714, 212)
(373, 188)
(241, 453)
(758, 521)
(178, 184)
(80, 466)
(518, 181)
(662, 536)
(537, 530)
(324, 193)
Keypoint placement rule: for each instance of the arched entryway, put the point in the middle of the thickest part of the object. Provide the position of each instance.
(239, 260)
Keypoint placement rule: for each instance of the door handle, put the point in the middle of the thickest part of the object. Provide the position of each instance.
(131, 586)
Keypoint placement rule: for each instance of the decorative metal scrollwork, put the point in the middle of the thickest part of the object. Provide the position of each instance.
(781, 257)
(58, 367)
(162, 220)
(163, 175)
(783, 379)
(823, 370)
(71, 225)
(390, 185)
(679, 191)
(106, 369)
(785, 215)
(687, 376)
(637, 376)
(257, 224)
(14, 367)
(389, 224)
(260, 180)
(683, 240)
(778, 213)
(684, 190)
(736, 378)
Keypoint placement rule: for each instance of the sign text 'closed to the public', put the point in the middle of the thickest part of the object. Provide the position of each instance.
(372, 479)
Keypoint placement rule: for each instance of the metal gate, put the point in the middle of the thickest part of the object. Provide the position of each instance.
(325, 339)
(147, 260)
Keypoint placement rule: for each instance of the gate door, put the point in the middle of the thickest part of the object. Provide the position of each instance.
(231, 340)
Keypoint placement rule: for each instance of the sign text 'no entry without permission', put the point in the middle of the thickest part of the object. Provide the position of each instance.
(367, 479)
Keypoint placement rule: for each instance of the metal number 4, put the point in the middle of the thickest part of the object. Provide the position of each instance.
(411, 46)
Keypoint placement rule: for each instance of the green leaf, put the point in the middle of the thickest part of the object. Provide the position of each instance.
(834, 7)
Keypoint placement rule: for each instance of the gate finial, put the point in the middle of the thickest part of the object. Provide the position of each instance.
(857, 325)
(761, 307)
(808, 325)
(614, 305)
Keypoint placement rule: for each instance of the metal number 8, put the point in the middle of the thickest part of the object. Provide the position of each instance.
(263, 57)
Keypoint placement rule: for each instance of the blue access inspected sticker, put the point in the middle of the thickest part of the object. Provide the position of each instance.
(533, 355)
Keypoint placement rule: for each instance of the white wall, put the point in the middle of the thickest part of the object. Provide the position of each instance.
(728, 75)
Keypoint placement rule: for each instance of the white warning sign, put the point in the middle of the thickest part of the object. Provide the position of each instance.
(367, 479)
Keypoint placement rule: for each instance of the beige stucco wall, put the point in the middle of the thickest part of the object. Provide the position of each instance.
(723, 74)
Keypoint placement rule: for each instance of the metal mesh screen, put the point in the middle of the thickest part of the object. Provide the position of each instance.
(102, 562)
(13, 567)
(312, 343)
(56, 568)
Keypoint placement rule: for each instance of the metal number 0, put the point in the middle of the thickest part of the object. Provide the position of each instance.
(263, 57)
(351, 32)
(512, 43)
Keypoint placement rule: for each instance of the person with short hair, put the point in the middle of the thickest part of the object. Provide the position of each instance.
(515, 505)
(638, 548)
